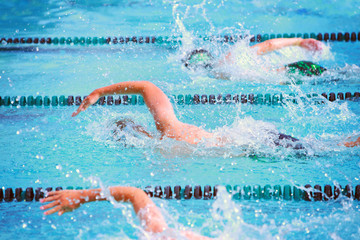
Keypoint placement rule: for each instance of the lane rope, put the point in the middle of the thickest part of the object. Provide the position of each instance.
(82, 41)
(181, 99)
(245, 192)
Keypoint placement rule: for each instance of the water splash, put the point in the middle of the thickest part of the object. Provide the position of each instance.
(235, 224)
(244, 137)
(348, 74)
(244, 65)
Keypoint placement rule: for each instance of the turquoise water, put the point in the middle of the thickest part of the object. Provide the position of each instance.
(44, 146)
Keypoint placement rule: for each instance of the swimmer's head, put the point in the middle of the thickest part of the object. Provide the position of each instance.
(199, 59)
(124, 124)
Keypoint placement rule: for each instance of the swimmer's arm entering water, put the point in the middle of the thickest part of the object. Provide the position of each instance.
(155, 99)
(144, 207)
(278, 43)
(69, 200)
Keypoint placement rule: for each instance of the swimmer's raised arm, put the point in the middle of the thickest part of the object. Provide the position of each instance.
(69, 200)
(155, 99)
(278, 43)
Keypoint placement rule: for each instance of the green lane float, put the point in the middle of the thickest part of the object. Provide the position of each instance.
(181, 99)
(238, 192)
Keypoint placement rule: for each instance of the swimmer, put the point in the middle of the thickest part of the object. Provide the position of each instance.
(165, 120)
(202, 59)
(148, 213)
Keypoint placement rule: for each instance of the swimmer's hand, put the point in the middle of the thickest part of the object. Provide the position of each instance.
(311, 45)
(353, 144)
(62, 201)
(89, 100)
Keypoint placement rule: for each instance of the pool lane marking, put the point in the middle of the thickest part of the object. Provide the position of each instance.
(246, 192)
(181, 99)
(82, 41)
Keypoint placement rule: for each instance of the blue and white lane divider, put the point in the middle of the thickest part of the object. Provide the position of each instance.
(87, 41)
(181, 99)
(245, 192)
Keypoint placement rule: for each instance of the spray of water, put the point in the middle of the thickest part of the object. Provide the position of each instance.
(244, 65)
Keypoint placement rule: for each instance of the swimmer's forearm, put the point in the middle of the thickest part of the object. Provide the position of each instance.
(137, 87)
(275, 44)
(120, 194)
(153, 96)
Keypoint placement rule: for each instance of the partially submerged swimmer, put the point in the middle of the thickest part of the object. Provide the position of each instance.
(165, 120)
(159, 105)
(148, 213)
(202, 59)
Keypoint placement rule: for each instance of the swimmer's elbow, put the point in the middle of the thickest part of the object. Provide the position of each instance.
(145, 83)
(146, 86)
(149, 90)
(265, 47)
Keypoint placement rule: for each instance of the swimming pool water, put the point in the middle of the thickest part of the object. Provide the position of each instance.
(44, 146)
